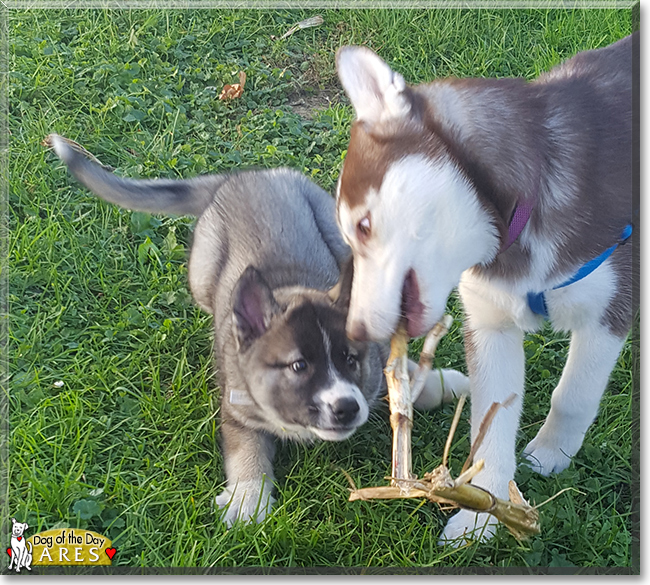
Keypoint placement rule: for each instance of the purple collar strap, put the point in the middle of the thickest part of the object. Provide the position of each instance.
(522, 213)
(518, 222)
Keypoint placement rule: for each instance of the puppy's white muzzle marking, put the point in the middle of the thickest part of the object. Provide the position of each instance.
(342, 409)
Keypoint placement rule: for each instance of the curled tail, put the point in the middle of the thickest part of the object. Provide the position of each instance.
(177, 197)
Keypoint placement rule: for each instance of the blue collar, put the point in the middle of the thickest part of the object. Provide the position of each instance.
(537, 301)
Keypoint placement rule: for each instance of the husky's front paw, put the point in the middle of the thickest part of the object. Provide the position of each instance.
(546, 459)
(552, 449)
(442, 386)
(466, 526)
(248, 501)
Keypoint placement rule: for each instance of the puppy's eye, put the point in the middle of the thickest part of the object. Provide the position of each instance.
(352, 360)
(364, 228)
(298, 366)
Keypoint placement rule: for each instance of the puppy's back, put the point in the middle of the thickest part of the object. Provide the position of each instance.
(276, 220)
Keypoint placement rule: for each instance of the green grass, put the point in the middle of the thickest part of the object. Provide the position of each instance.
(128, 444)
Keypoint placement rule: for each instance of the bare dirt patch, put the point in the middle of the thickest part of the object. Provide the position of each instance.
(306, 103)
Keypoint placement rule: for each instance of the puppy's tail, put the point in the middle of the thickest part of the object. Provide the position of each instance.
(176, 197)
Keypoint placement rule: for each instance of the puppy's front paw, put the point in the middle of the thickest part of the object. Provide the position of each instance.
(466, 526)
(442, 386)
(248, 501)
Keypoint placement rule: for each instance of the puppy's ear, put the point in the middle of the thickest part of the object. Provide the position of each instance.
(253, 307)
(340, 293)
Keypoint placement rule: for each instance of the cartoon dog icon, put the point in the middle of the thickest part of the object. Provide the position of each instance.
(21, 555)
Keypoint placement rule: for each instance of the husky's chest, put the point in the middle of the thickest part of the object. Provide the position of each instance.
(500, 302)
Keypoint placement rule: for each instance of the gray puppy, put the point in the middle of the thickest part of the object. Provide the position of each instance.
(265, 260)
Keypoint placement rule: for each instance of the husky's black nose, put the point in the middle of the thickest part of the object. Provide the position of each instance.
(345, 410)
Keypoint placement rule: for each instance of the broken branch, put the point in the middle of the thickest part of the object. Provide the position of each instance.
(401, 409)
(438, 486)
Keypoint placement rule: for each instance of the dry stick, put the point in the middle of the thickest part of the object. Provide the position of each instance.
(401, 398)
(485, 425)
(313, 21)
(452, 430)
(401, 409)
(438, 486)
(431, 341)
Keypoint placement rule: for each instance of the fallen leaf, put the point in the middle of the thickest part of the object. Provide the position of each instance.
(235, 90)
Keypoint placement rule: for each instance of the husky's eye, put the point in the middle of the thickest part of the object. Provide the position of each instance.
(298, 366)
(364, 228)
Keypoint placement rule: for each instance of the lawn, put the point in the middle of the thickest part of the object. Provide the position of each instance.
(109, 392)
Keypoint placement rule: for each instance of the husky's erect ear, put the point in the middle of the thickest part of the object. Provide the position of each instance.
(253, 307)
(342, 290)
(375, 90)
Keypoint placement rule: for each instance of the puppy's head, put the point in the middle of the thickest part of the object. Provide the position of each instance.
(404, 205)
(305, 378)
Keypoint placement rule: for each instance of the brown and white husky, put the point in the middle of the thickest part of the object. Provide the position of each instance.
(519, 193)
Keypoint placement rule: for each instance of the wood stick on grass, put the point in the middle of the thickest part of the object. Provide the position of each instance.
(401, 409)
(484, 426)
(452, 430)
(429, 347)
(438, 486)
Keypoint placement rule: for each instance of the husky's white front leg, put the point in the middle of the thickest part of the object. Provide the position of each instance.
(248, 462)
(574, 405)
(495, 361)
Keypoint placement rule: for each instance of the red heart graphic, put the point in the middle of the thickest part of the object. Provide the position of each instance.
(19, 538)
(111, 552)
(9, 551)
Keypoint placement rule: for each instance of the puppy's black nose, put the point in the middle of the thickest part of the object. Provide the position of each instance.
(345, 410)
